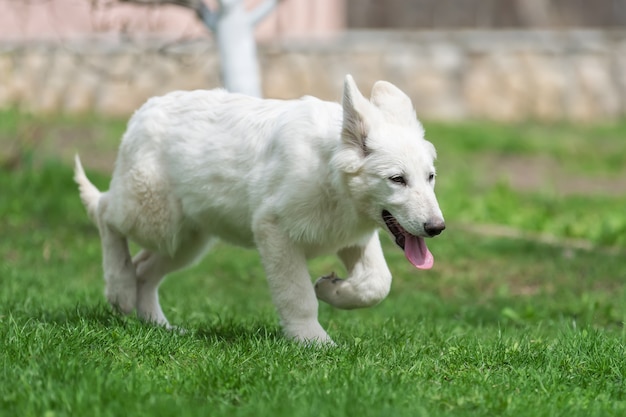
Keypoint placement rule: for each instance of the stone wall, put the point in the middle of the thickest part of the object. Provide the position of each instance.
(500, 75)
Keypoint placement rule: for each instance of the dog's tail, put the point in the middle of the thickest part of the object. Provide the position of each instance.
(89, 194)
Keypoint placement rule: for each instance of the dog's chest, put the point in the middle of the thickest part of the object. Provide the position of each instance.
(323, 233)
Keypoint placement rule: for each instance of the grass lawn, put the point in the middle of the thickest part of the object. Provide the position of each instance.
(522, 315)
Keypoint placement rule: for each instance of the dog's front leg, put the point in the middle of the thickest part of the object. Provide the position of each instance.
(368, 282)
(290, 284)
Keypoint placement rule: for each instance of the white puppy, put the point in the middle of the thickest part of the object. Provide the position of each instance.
(296, 179)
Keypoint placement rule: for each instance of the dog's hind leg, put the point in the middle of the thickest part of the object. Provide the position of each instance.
(151, 268)
(119, 273)
(148, 266)
(368, 282)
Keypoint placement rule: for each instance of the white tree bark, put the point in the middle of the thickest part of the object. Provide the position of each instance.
(237, 48)
(233, 27)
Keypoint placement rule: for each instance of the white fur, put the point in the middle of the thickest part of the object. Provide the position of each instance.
(295, 178)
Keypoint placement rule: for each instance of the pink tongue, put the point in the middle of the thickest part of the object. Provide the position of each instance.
(417, 253)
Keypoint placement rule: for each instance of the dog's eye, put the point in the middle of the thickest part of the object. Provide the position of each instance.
(431, 177)
(398, 179)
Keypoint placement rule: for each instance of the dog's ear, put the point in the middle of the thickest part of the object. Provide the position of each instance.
(355, 107)
(431, 149)
(393, 103)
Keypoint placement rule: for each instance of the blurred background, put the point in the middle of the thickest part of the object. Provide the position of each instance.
(504, 60)
(525, 308)
(525, 100)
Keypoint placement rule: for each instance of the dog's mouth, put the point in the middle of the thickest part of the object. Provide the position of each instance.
(414, 247)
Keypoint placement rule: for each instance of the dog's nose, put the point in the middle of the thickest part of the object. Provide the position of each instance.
(435, 227)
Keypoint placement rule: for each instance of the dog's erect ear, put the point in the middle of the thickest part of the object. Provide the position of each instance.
(393, 103)
(355, 106)
(431, 149)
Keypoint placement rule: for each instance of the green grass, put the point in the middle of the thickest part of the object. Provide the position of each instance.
(571, 179)
(591, 148)
(508, 327)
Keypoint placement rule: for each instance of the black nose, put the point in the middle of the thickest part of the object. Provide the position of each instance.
(433, 228)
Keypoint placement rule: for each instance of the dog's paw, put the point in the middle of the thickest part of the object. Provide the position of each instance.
(308, 334)
(332, 277)
(327, 288)
(344, 294)
(181, 331)
(123, 302)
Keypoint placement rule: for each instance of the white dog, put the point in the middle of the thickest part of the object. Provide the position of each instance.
(296, 179)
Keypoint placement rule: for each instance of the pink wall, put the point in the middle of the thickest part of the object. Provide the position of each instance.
(58, 20)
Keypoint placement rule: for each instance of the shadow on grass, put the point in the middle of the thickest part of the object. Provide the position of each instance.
(235, 333)
(102, 316)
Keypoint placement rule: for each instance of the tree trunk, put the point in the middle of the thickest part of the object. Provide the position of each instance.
(237, 48)
(233, 27)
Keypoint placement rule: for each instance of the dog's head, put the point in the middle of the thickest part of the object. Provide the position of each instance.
(389, 167)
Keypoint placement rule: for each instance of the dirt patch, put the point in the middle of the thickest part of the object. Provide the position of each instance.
(541, 173)
(41, 142)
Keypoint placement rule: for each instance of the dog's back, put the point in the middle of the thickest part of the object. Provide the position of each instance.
(210, 157)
